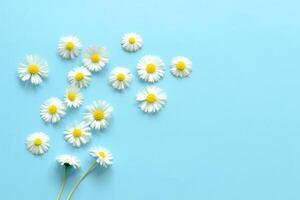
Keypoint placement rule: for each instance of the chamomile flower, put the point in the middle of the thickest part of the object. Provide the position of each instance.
(150, 68)
(78, 134)
(69, 47)
(34, 69)
(103, 156)
(38, 143)
(151, 99)
(52, 110)
(95, 58)
(181, 66)
(131, 42)
(120, 78)
(98, 115)
(79, 77)
(68, 160)
(73, 97)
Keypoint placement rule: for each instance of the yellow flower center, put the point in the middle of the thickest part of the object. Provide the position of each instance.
(52, 109)
(98, 115)
(131, 40)
(150, 68)
(95, 58)
(151, 98)
(180, 65)
(77, 132)
(37, 141)
(102, 154)
(72, 96)
(79, 76)
(69, 46)
(120, 77)
(33, 69)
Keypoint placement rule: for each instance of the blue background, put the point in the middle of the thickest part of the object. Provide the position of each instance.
(230, 131)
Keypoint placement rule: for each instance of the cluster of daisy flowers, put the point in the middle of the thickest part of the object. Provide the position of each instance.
(151, 99)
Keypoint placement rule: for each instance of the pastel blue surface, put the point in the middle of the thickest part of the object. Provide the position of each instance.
(230, 131)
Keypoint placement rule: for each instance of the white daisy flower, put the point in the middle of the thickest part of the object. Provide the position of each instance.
(78, 134)
(34, 69)
(120, 78)
(131, 42)
(151, 99)
(98, 115)
(52, 110)
(150, 68)
(68, 160)
(73, 97)
(95, 58)
(79, 77)
(104, 157)
(181, 66)
(69, 47)
(38, 143)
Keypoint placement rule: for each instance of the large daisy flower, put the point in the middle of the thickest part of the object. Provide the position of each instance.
(150, 68)
(103, 156)
(68, 160)
(151, 99)
(52, 110)
(181, 66)
(95, 58)
(79, 77)
(98, 115)
(131, 42)
(78, 134)
(120, 78)
(38, 143)
(34, 69)
(73, 97)
(69, 47)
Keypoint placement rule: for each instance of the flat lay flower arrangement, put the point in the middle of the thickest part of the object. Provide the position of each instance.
(151, 99)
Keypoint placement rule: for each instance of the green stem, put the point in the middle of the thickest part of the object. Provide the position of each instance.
(92, 166)
(63, 183)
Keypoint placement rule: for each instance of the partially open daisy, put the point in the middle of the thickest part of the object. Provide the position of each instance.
(98, 115)
(68, 161)
(150, 68)
(120, 78)
(151, 99)
(181, 66)
(78, 134)
(38, 143)
(95, 58)
(102, 155)
(79, 77)
(69, 47)
(34, 69)
(73, 97)
(131, 42)
(52, 110)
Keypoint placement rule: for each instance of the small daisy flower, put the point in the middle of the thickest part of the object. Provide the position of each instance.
(73, 97)
(69, 47)
(120, 78)
(131, 42)
(150, 68)
(38, 143)
(68, 160)
(34, 69)
(103, 156)
(78, 134)
(52, 110)
(95, 58)
(98, 115)
(79, 77)
(151, 99)
(181, 66)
